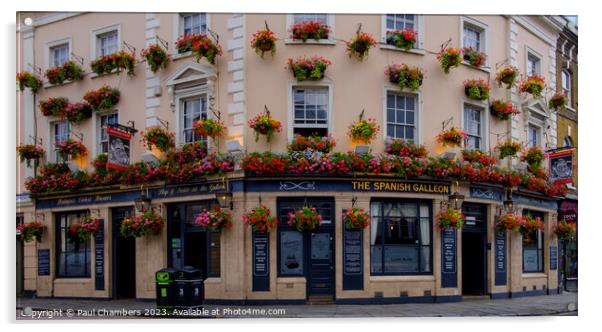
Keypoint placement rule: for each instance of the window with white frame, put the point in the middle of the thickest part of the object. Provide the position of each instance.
(60, 133)
(401, 116)
(394, 22)
(103, 138)
(321, 18)
(310, 110)
(59, 54)
(473, 125)
(533, 64)
(473, 36)
(566, 86)
(193, 110)
(193, 23)
(107, 43)
(533, 136)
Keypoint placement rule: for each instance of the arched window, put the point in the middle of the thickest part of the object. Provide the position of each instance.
(568, 142)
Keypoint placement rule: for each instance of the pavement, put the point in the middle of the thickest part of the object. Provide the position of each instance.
(59, 309)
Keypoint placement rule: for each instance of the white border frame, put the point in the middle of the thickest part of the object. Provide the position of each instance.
(467, 20)
(419, 49)
(177, 26)
(484, 106)
(50, 141)
(58, 42)
(200, 91)
(94, 39)
(529, 50)
(330, 41)
(291, 103)
(418, 117)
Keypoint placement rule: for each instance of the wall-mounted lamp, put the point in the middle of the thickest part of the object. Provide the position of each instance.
(456, 199)
(508, 203)
(143, 203)
(224, 199)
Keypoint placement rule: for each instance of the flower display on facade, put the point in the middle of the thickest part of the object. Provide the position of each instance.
(309, 30)
(107, 64)
(29, 80)
(476, 89)
(103, 99)
(209, 128)
(54, 106)
(359, 45)
(507, 76)
(479, 157)
(534, 85)
(308, 68)
(405, 38)
(214, 220)
(80, 232)
(76, 113)
(452, 137)
(403, 148)
(313, 142)
(474, 57)
(71, 149)
(200, 45)
(508, 222)
(503, 110)
(156, 57)
(558, 100)
(264, 124)
(508, 148)
(449, 58)
(29, 231)
(450, 218)
(363, 131)
(29, 152)
(565, 230)
(306, 218)
(405, 76)
(530, 225)
(264, 41)
(149, 222)
(69, 71)
(533, 156)
(158, 137)
(260, 219)
(356, 218)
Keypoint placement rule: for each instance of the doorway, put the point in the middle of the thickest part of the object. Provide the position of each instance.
(124, 257)
(474, 249)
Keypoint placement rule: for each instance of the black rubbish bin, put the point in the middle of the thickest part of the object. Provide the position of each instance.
(189, 288)
(164, 280)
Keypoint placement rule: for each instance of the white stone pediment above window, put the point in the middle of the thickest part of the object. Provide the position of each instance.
(192, 72)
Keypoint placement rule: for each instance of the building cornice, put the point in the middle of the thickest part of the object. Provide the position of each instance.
(524, 22)
(47, 19)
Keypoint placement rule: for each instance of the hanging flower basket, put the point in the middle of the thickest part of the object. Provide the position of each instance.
(356, 218)
(29, 152)
(450, 218)
(69, 71)
(479, 157)
(29, 231)
(54, 106)
(534, 156)
(71, 149)
(309, 30)
(565, 230)
(403, 148)
(214, 220)
(449, 58)
(209, 128)
(81, 231)
(108, 63)
(260, 219)
(306, 218)
(29, 80)
(405, 76)
(156, 57)
(506, 76)
(503, 110)
(508, 148)
(558, 100)
(508, 222)
(103, 99)
(452, 137)
(264, 41)
(201, 47)
(313, 142)
(512, 178)
(308, 69)
(76, 113)
(360, 45)
(263, 124)
(363, 131)
(158, 137)
(476, 89)
(147, 223)
(534, 85)
(404, 39)
(529, 226)
(474, 57)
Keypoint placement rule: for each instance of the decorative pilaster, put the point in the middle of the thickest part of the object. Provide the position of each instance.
(236, 86)
(153, 84)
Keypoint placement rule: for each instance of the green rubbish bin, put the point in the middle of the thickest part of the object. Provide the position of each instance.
(189, 290)
(164, 280)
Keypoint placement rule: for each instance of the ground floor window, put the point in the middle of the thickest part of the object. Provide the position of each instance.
(400, 237)
(533, 246)
(72, 258)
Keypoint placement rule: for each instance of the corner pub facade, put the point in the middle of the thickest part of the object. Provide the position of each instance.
(402, 256)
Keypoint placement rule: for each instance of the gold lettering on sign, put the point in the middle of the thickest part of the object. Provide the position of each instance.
(360, 185)
(400, 187)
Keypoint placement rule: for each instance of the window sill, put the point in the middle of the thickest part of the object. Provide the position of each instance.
(213, 280)
(534, 275)
(404, 278)
(95, 75)
(483, 69)
(416, 51)
(329, 41)
(176, 56)
(49, 86)
(72, 280)
(291, 279)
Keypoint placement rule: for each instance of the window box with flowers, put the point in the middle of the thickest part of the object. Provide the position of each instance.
(29, 152)
(360, 45)
(260, 219)
(71, 149)
(209, 128)
(503, 110)
(565, 230)
(356, 218)
(405, 76)
(558, 100)
(54, 106)
(76, 113)
(314, 143)
(534, 85)
(363, 131)
(214, 220)
(156, 57)
(306, 30)
(529, 226)
(103, 99)
(474, 57)
(82, 231)
(306, 218)
(29, 231)
(149, 222)
(264, 124)
(534, 156)
(403, 148)
(200, 45)
(508, 148)
(479, 157)
(114, 62)
(450, 218)
(308, 68)
(449, 58)
(508, 222)
(29, 80)
(264, 41)
(476, 89)
(158, 138)
(68, 72)
(403, 39)
(506, 76)
(452, 137)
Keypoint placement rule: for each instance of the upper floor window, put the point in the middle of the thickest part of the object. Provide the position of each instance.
(321, 18)
(107, 43)
(194, 23)
(60, 133)
(566, 86)
(193, 109)
(401, 116)
(311, 106)
(473, 34)
(392, 22)
(533, 64)
(533, 136)
(59, 54)
(473, 125)
(105, 121)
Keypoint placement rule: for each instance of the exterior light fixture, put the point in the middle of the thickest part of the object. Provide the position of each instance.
(456, 199)
(143, 203)
(224, 199)
(508, 203)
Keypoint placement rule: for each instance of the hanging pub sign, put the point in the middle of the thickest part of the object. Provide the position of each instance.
(561, 166)
(119, 146)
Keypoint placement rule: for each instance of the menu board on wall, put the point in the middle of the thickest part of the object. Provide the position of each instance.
(553, 258)
(448, 258)
(353, 263)
(261, 262)
(43, 262)
(500, 258)
(99, 258)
